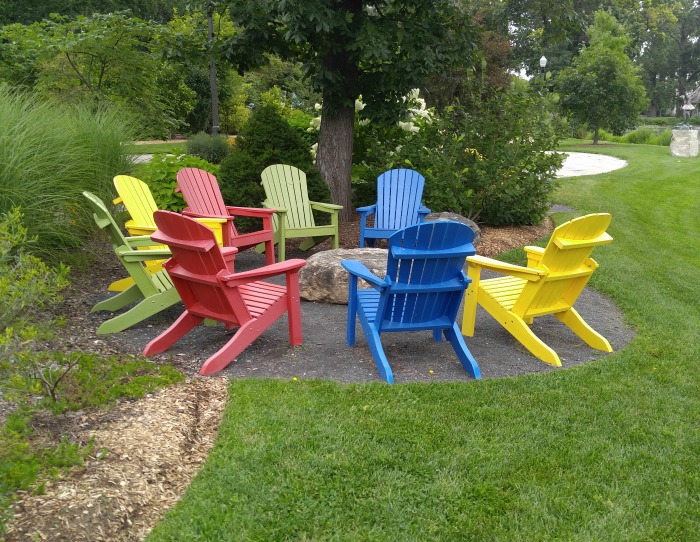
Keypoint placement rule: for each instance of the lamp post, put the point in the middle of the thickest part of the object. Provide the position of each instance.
(543, 65)
(212, 74)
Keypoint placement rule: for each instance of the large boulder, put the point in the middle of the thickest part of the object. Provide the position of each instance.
(458, 218)
(324, 279)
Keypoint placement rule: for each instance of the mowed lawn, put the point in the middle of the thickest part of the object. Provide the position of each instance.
(606, 451)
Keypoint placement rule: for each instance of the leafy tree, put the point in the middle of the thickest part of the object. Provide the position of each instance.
(375, 49)
(29, 11)
(602, 87)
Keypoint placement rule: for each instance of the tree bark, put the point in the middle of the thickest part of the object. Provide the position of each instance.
(595, 136)
(334, 158)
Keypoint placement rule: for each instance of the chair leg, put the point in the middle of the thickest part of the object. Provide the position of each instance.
(469, 311)
(375, 346)
(120, 300)
(578, 325)
(517, 327)
(294, 313)
(147, 308)
(465, 356)
(313, 241)
(352, 310)
(184, 324)
(245, 335)
(269, 252)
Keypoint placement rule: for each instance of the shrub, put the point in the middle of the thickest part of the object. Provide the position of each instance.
(210, 148)
(27, 284)
(49, 155)
(160, 174)
(267, 139)
(474, 162)
(664, 139)
(639, 136)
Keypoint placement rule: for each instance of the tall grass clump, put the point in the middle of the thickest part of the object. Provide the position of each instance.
(49, 154)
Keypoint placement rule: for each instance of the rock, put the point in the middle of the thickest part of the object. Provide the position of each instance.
(684, 143)
(458, 218)
(324, 279)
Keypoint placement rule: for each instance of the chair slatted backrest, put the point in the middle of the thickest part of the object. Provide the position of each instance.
(203, 195)
(399, 196)
(285, 188)
(196, 261)
(138, 200)
(567, 261)
(424, 265)
(136, 269)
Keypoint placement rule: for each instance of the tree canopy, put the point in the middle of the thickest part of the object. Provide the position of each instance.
(350, 48)
(602, 87)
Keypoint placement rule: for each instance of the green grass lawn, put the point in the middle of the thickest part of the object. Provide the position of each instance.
(607, 451)
(169, 147)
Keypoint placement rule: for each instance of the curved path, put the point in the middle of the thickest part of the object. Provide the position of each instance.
(577, 164)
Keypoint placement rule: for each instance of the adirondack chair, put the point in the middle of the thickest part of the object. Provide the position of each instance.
(138, 200)
(153, 291)
(550, 284)
(422, 290)
(211, 289)
(286, 193)
(399, 193)
(203, 197)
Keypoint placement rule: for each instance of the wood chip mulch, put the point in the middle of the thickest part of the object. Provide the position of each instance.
(146, 452)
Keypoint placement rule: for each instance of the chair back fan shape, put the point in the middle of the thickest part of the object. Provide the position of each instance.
(204, 275)
(550, 284)
(422, 290)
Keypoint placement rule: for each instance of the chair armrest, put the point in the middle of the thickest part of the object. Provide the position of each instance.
(518, 271)
(117, 200)
(250, 211)
(142, 241)
(534, 255)
(192, 214)
(358, 269)
(423, 211)
(325, 207)
(278, 210)
(367, 210)
(279, 268)
(144, 255)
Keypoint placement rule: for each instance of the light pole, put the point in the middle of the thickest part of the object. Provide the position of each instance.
(212, 74)
(543, 65)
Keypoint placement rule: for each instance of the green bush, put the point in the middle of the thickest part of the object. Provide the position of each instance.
(160, 174)
(27, 284)
(475, 163)
(640, 136)
(49, 155)
(663, 139)
(210, 148)
(265, 140)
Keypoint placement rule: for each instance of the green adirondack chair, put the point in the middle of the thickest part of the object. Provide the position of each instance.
(155, 291)
(286, 192)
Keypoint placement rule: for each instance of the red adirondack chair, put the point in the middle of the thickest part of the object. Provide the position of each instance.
(211, 289)
(203, 197)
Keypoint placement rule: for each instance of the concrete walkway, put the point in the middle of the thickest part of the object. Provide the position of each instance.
(583, 163)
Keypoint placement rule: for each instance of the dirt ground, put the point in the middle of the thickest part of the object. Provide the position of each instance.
(146, 452)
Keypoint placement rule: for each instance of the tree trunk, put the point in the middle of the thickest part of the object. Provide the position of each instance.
(595, 136)
(334, 158)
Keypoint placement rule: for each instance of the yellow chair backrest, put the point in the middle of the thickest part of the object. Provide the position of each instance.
(567, 265)
(138, 200)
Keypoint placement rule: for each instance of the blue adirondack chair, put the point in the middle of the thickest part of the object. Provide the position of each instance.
(399, 193)
(422, 290)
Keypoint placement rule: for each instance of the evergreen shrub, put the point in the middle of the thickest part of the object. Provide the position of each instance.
(265, 140)
(210, 148)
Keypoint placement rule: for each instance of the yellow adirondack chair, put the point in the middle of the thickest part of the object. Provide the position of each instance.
(550, 284)
(138, 200)
(286, 192)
